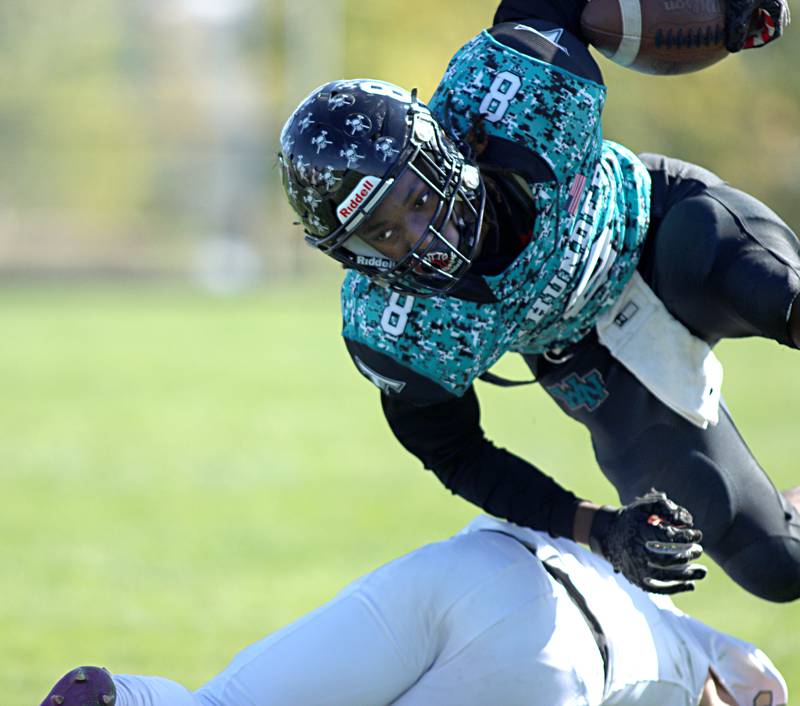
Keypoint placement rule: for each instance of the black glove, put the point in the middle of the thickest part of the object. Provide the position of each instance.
(754, 23)
(651, 542)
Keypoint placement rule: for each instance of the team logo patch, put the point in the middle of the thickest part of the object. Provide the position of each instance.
(581, 391)
(347, 208)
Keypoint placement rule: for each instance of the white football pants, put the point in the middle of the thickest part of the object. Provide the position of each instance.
(471, 621)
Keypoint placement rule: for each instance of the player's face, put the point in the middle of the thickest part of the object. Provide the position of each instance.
(406, 220)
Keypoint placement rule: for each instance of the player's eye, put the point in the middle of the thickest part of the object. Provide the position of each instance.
(384, 236)
(421, 200)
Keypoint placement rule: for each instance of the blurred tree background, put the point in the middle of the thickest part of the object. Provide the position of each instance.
(138, 137)
(167, 449)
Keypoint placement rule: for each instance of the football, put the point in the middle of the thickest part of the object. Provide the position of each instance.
(657, 36)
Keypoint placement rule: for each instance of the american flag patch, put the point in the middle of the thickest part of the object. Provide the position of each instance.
(575, 193)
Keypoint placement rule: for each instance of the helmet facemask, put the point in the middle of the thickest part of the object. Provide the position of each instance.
(434, 262)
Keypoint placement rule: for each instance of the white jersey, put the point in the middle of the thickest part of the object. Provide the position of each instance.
(478, 620)
(658, 655)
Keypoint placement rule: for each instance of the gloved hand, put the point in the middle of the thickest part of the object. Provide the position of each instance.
(651, 542)
(754, 23)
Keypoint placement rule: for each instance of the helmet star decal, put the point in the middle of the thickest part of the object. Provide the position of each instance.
(350, 153)
(340, 100)
(305, 123)
(311, 198)
(328, 179)
(301, 166)
(286, 144)
(384, 147)
(357, 123)
(315, 222)
(321, 141)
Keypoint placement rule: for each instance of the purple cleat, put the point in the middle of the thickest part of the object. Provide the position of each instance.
(84, 686)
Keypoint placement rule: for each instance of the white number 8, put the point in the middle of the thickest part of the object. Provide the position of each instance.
(495, 103)
(380, 88)
(395, 316)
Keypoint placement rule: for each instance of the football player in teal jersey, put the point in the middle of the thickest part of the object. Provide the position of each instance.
(495, 219)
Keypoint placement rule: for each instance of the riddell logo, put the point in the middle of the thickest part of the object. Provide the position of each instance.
(356, 197)
(378, 262)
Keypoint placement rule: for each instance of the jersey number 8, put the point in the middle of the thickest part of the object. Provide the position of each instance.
(395, 315)
(495, 103)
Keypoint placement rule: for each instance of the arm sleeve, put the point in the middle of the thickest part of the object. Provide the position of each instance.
(564, 13)
(447, 437)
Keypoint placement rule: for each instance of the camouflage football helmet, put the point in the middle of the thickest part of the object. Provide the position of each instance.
(342, 151)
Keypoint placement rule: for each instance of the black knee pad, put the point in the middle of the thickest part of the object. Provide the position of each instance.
(769, 568)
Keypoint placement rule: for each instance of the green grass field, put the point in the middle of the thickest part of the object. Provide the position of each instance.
(183, 474)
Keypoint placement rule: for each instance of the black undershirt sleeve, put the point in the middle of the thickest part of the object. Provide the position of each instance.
(447, 437)
(564, 13)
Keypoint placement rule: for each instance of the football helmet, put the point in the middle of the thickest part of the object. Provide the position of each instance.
(342, 151)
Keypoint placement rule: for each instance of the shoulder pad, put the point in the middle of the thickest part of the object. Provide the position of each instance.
(446, 342)
(522, 97)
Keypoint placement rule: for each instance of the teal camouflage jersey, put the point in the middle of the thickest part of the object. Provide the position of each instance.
(592, 214)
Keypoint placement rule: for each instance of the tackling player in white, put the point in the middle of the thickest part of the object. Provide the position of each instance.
(498, 614)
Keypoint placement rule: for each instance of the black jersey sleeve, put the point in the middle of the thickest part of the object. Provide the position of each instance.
(444, 432)
(447, 437)
(564, 13)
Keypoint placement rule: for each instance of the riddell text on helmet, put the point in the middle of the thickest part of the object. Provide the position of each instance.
(371, 261)
(356, 197)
